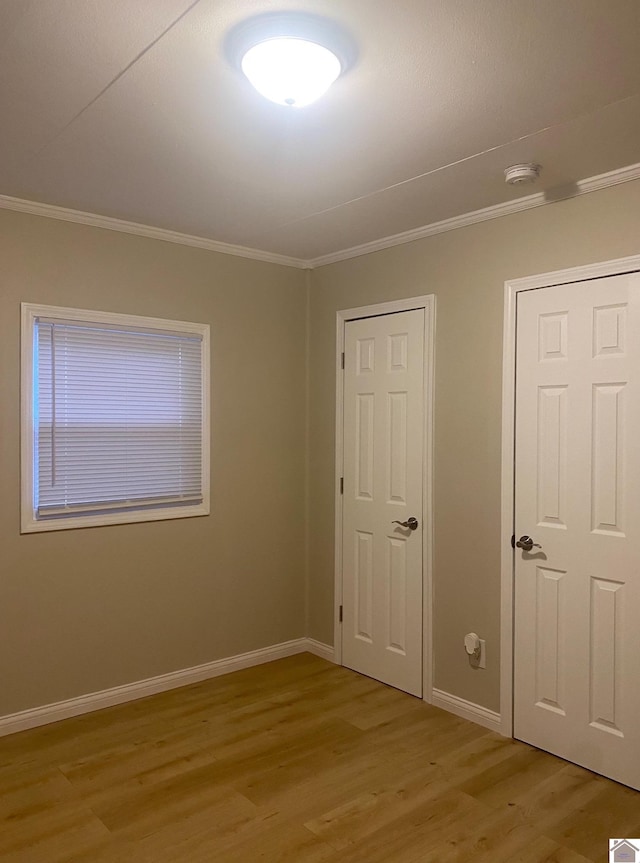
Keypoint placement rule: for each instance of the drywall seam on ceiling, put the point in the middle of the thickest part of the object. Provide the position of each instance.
(50, 211)
(580, 187)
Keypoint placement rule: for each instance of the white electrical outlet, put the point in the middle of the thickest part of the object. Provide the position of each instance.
(482, 661)
(476, 650)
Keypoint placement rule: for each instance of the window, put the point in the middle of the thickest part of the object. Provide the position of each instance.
(115, 418)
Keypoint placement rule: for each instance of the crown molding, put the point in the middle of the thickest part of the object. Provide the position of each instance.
(50, 211)
(538, 199)
(611, 178)
(573, 190)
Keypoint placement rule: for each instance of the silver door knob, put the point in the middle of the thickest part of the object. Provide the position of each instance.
(526, 543)
(411, 523)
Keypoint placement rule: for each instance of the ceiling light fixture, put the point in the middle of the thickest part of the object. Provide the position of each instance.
(290, 58)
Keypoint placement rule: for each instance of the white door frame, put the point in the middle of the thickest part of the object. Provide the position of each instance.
(507, 559)
(428, 303)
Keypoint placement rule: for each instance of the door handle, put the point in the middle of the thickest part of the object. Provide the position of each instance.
(411, 523)
(526, 543)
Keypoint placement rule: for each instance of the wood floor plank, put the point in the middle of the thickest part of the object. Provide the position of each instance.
(297, 761)
(501, 782)
(614, 811)
(30, 791)
(139, 816)
(498, 836)
(265, 837)
(48, 834)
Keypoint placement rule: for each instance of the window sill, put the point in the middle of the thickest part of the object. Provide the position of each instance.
(30, 524)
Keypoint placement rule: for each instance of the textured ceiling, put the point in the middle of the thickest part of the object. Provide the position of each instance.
(130, 109)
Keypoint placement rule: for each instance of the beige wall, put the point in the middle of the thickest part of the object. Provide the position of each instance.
(83, 610)
(466, 270)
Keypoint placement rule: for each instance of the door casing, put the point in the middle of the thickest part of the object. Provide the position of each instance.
(427, 303)
(507, 558)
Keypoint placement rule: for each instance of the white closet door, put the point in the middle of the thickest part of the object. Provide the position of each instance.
(384, 403)
(577, 495)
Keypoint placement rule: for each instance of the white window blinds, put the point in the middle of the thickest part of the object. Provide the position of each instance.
(118, 418)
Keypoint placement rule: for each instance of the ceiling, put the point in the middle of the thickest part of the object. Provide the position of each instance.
(130, 109)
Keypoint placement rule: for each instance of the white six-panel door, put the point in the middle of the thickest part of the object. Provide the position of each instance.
(577, 494)
(384, 403)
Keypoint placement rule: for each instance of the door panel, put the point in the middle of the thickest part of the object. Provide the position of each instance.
(577, 598)
(384, 403)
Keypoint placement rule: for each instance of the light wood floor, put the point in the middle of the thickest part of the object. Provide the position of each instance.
(298, 761)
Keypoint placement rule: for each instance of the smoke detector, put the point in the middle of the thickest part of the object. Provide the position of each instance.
(521, 175)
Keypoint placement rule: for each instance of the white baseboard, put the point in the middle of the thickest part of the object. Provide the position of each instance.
(142, 688)
(467, 710)
(319, 648)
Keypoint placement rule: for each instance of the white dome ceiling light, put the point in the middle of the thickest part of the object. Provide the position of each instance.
(521, 175)
(290, 58)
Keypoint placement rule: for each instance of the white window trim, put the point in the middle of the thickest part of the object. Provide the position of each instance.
(28, 521)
